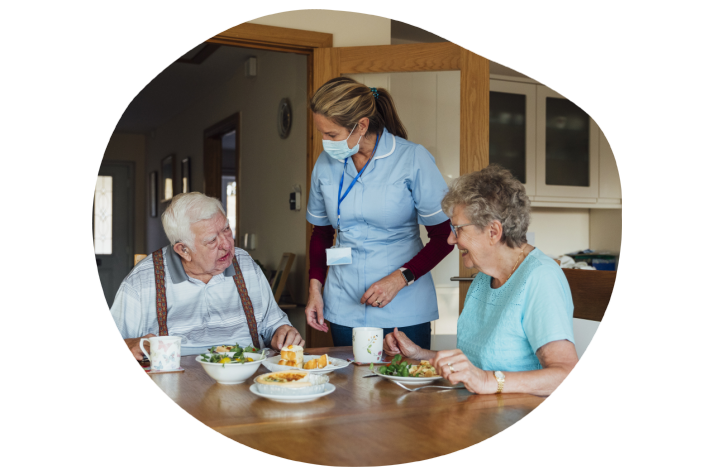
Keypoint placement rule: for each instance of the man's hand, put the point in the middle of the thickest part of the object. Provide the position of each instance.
(286, 335)
(133, 345)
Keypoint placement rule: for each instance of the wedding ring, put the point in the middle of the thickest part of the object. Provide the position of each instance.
(449, 364)
(379, 303)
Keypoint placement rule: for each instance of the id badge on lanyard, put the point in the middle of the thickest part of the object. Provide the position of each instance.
(338, 255)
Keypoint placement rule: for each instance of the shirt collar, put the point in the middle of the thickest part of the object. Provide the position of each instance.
(386, 146)
(176, 269)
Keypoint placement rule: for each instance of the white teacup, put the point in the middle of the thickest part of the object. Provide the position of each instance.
(367, 344)
(164, 352)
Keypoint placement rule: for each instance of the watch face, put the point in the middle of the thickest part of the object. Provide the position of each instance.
(408, 274)
(499, 374)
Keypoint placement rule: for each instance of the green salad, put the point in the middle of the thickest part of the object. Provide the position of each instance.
(238, 357)
(403, 369)
(395, 368)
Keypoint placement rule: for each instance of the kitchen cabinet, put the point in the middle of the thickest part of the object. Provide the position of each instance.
(552, 146)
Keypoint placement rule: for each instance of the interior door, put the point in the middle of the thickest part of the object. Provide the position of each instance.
(474, 106)
(112, 225)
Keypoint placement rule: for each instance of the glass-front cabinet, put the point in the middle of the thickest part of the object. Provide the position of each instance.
(566, 148)
(550, 144)
(512, 130)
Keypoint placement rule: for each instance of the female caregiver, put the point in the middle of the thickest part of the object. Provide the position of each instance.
(376, 188)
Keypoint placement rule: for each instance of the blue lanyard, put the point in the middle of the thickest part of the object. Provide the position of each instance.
(340, 189)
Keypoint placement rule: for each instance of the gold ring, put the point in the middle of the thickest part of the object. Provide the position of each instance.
(449, 364)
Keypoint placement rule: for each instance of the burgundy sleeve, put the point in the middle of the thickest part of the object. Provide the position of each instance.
(434, 251)
(320, 240)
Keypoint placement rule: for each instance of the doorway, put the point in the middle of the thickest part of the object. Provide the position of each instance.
(113, 225)
(222, 167)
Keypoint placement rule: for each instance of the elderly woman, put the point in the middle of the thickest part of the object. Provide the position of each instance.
(515, 333)
(200, 287)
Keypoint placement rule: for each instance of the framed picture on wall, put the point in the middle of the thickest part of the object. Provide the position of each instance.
(186, 175)
(153, 195)
(166, 188)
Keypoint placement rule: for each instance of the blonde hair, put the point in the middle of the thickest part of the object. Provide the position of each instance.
(184, 210)
(345, 101)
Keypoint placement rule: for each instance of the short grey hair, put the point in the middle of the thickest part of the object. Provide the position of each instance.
(184, 210)
(492, 194)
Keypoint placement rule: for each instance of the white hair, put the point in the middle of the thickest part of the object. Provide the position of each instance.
(184, 210)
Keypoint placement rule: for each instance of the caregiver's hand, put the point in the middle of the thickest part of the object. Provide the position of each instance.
(456, 367)
(314, 307)
(382, 292)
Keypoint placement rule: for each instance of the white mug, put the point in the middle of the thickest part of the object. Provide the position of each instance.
(164, 352)
(367, 344)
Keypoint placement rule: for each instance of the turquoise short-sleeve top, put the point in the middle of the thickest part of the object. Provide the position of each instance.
(501, 329)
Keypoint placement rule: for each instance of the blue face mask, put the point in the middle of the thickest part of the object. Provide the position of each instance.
(339, 150)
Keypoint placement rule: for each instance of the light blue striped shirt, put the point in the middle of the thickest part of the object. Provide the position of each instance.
(203, 315)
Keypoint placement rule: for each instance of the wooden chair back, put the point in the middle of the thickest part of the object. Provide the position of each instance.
(138, 258)
(278, 282)
(591, 292)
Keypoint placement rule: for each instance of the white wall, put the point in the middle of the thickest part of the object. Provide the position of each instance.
(605, 230)
(560, 230)
(130, 148)
(348, 29)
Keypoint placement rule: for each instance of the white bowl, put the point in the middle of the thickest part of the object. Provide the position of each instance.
(233, 373)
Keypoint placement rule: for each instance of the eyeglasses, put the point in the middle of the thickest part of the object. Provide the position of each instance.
(455, 228)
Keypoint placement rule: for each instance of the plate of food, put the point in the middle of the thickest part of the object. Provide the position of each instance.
(293, 386)
(407, 373)
(329, 388)
(292, 357)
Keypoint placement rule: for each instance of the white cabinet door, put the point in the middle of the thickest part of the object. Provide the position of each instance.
(567, 142)
(609, 182)
(512, 129)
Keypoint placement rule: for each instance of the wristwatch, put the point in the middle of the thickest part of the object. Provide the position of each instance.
(408, 275)
(499, 375)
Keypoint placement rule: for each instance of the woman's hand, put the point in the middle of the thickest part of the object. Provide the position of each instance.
(475, 379)
(382, 292)
(314, 307)
(398, 343)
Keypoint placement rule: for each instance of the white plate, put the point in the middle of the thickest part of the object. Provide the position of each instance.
(335, 363)
(409, 380)
(329, 388)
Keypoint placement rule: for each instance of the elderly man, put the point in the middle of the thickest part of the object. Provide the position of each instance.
(200, 288)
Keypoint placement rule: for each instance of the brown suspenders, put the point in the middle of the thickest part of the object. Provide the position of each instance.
(161, 309)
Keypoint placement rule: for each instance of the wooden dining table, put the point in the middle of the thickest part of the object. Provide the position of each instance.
(365, 422)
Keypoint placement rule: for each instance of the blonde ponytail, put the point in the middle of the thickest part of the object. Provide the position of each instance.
(345, 101)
